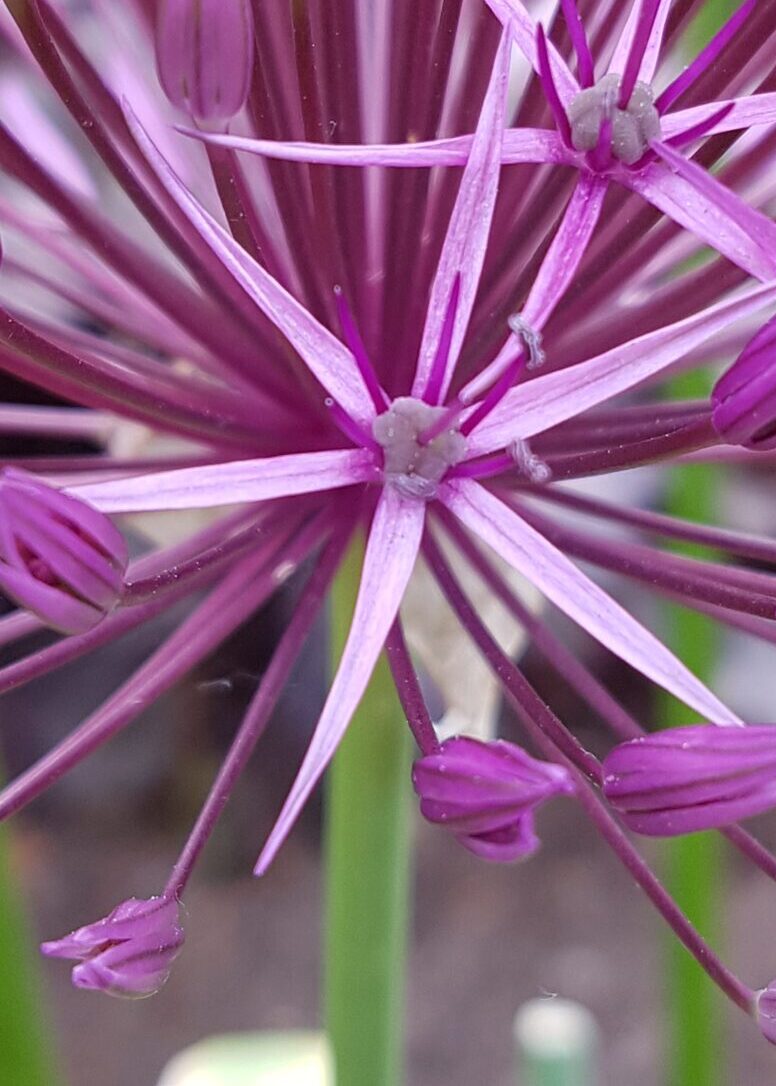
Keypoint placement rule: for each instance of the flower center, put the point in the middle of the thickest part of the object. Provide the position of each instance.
(632, 127)
(414, 467)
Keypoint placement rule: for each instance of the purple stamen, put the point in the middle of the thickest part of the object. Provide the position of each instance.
(433, 389)
(495, 395)
(349, 427)
(580, 42)
(601, 155)
(550, 90)
(644, 26)
(705, 58)
(355, 344)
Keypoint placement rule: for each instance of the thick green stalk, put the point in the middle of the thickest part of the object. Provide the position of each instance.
(25, 1055)
(367, 871)
(693, 865)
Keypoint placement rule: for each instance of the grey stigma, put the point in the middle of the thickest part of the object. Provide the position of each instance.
(415, 469)
(632, 127)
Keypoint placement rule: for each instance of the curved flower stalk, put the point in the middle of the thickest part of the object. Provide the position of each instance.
(323, 350)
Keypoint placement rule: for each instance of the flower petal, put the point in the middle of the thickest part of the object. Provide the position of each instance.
(746, 112)
(522, 27)
(328, 359)
(696, 200)
(463, 251)
(394, 540)
(578, 596)
(519, 145)
(229, 483)
(554, 397)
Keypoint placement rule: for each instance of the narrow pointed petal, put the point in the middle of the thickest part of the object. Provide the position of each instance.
(554, 397)
(394, 540)
(554, 275)
(521, 25)
(526, 145)
(747, 112)
(697, 201)
(463, 251)
(649, 58)
(527, 551)
(328, 359)
(230, 483)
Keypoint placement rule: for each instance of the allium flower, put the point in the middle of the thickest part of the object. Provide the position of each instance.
(420, 356)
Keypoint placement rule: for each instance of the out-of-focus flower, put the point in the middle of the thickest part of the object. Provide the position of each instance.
(693, 778)
(204, 52)
(486, 794)
(744, 398)
(766, 1012)
(129, 952)
(59, 557)
(421, 356)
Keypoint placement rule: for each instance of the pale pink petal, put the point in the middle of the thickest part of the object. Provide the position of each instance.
(754, 109)
(649, 61)
(712, 212)
(522, 27)
(390, 555)
(554, 397)
(463, 251)
(554, 275)
(328, 359)
(527, 551)
(230, 483)
(519, 145)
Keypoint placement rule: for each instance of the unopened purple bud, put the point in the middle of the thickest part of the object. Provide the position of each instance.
(59, 557)
(204, 55)
(486, 793)
(697, 778)
(128, 953)
(744, 398)
(766, 1012)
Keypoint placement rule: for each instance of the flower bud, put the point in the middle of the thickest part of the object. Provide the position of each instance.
(59, 557)
(687, 779)
(766, 1012)
(486, 793)
(204, 55)
(128, 953)
(744, 398)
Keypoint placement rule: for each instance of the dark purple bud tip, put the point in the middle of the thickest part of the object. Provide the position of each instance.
(697, 778)
(59, 557)
(744, 398)
(765, 1008)
(486, 793)
(204, 55)
(128, 953)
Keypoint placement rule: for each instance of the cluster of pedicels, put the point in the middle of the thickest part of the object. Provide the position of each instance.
(431, 452)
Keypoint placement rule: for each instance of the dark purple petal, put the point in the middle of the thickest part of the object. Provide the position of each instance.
(694, 778)
(744, 398)
(486, 793)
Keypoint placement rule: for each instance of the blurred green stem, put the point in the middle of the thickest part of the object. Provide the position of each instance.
(693, 865)
(367, 871)
(25, 1052)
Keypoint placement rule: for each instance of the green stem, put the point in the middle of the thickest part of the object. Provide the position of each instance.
(694, 864)
(25, 1055)
(367, 865)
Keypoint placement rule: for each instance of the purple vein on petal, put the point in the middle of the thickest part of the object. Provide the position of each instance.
(706, 57)
(738, 231)
(527, 551)
(230, 483)
(328, 359)
(545, 401)
(463, 251)
(394, 540)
